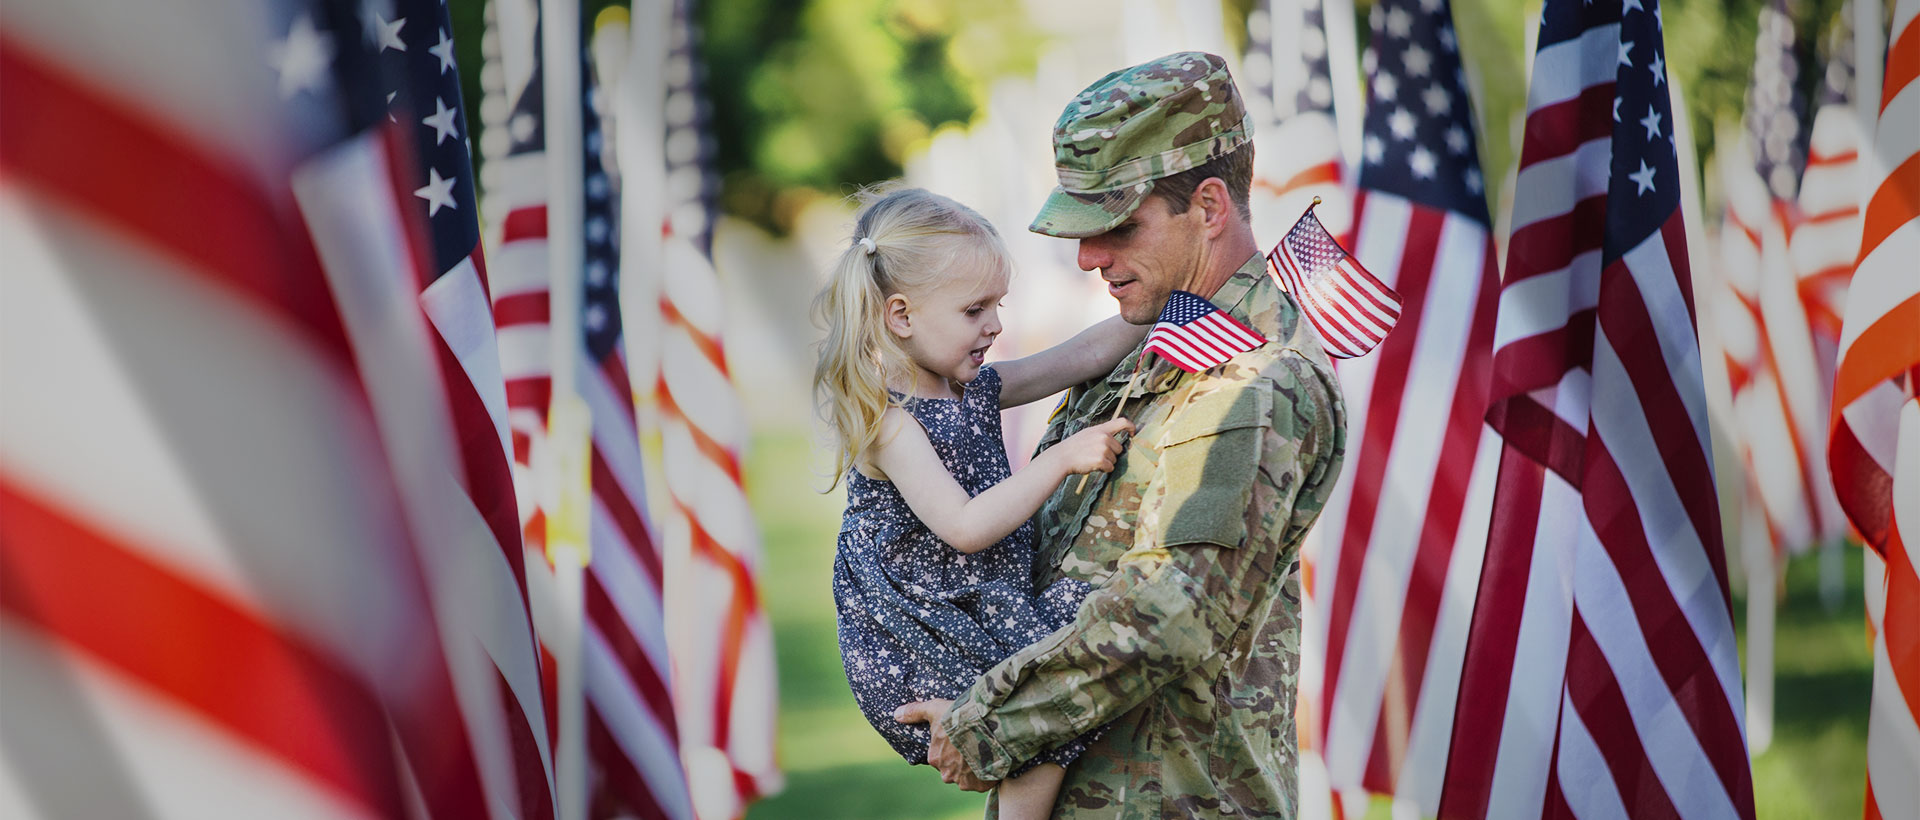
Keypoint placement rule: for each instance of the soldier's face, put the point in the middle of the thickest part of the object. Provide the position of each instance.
(1147, 257)
(949, 328)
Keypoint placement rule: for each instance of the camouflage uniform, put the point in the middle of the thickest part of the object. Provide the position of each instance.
(1188, 649)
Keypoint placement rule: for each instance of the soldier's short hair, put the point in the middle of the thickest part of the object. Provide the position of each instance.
(1235, 168)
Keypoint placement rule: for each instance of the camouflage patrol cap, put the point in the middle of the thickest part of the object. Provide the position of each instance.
(1134, 126)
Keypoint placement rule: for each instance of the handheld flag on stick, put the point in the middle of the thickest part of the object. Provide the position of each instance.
(1350, 309)
(1194, 335)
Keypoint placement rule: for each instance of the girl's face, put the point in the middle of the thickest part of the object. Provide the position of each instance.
(947, 329)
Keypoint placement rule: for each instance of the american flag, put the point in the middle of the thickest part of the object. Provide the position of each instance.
(1772, 366)
(1288, 71)
(516, 206)
(1826, 238)
(1350, 309)
(1875, 445)
(1399, 545)
(631, 733)
(233, 425)
(1600, 675)
(1195, 335)
(717, 631)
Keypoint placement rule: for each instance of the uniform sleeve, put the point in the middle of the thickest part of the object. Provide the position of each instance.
(1208, 537)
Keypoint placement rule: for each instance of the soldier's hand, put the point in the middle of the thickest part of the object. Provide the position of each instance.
(1094, 449)
(940, 753)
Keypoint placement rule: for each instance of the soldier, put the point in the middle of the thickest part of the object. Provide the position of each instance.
(1188, 649)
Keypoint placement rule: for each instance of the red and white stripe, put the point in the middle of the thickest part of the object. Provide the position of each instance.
(196, 466)
(1202, 343)
(721, 644)
(1349, 309)
(1874, 450)
(1600, 677)
(1826, 238)
(1773, 358)
(1400, 542)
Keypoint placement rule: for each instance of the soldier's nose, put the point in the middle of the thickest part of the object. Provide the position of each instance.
(1092, 256)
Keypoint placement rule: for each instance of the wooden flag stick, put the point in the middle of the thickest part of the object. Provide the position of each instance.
(1117, 407)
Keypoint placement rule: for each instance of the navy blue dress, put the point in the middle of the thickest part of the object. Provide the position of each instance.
(919, 619)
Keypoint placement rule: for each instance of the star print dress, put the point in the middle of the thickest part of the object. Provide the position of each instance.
(919, 619)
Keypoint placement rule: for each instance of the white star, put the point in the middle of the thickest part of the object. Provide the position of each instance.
(1446, 38)
(1659, 69)
(597, 229)
(1429, 6)
(596, 317)
(1437, 99)
(1473, 180)
(1385, 86)
(389, 34)
(302, 59)
(1643, 178)
(443, 50)
(1422, 163)
(992, 610)
(1630, 6)
(1417, 60)
(596, 273)
(1625, 47)
(437, 192)
(1401, 123)
(1376, 149)
(390, 96)
(1457, 139)
(521, 126)
(1399, 22)
(1616, 109)
(442, 121)
(1652, 122)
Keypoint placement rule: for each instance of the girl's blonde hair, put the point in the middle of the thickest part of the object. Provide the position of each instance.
(905, 240)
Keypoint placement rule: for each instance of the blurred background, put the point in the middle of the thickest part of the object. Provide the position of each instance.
(809, 100)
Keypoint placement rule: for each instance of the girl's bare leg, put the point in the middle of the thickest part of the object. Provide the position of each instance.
(1030, 796)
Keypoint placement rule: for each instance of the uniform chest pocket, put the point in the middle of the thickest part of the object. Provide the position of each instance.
(1209, 455)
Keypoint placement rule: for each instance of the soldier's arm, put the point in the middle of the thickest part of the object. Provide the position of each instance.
(1090, 354)
(1179, 596)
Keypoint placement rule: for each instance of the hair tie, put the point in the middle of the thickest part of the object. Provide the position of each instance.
(867, 243)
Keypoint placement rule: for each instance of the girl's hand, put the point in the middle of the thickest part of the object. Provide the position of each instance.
(1095, 448)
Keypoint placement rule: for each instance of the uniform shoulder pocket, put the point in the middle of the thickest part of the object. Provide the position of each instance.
(1208, 460)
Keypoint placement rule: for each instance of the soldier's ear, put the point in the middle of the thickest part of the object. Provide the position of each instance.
(1215, 205)
(897, 314)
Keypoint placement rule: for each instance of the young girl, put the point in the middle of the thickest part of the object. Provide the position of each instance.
(933, 575)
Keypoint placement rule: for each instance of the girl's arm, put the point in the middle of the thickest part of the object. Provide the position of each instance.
(1091, 354)
(973, 524)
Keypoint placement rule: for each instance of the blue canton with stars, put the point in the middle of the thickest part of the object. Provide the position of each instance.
(415, 44)
(1643, 190)
(1419, 142)
(600, 302)
(344, 67)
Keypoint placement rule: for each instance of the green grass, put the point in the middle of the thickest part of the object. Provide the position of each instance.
(837, 767)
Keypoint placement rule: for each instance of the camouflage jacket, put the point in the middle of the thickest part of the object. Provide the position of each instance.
(1189, 647)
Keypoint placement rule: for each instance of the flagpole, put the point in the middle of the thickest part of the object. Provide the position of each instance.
(1343, 63)
(571, 429)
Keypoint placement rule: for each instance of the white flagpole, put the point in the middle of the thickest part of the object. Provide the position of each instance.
(571, 429)
(1343, 63)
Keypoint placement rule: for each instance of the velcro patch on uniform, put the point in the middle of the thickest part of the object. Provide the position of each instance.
(1208, 460)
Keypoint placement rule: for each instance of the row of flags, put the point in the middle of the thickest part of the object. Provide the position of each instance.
(312, 503)
(1517, 601)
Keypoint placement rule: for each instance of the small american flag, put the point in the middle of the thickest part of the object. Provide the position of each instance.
(1195, 335)
(1350, 309)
